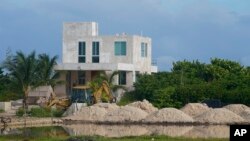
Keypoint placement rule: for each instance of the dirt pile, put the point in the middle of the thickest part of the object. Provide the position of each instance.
(237, 108)
(194, 109)
(246, 115)
(168, 115)
(125, 114)
(92, 113)
(219, 116)
(109, 107)
(74, 108)
(144, 105)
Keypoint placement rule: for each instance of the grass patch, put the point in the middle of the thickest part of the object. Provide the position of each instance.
(41, 112)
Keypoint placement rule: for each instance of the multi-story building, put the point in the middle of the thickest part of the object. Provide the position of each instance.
(85, 53)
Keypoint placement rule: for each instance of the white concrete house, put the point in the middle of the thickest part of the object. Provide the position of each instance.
(85, 52)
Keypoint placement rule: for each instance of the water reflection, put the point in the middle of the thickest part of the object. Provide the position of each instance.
(9, 131)
(211, 131)
(106, 130)
(218, 131)
(33, 132)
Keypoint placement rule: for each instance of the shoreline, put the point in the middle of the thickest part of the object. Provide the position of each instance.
(36, 121)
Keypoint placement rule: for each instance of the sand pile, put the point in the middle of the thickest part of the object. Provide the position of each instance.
(74, 108)
(246, 115)
(168, 115)
(144, 105)
(194, 109)
(109, 107)
(92, 113)
(125, 114)
(219, 116)
(237, 108)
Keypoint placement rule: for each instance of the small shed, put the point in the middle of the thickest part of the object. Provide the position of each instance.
(39, 92)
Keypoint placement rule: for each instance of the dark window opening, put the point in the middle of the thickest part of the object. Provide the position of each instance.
(122, 78)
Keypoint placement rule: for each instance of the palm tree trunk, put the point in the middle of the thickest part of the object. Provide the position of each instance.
(25, 108)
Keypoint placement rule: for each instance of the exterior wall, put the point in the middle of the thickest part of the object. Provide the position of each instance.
(107, 49)
(107, 54)
(142, 64)
(6, 106)
(60, 90)
(74, 32)
(129, 80)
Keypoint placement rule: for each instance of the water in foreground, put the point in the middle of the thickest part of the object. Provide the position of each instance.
(90, 132)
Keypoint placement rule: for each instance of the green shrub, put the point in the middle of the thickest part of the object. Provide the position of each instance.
(41, 112)
(20, 112)
(2, 111)
(45, 112)
(127, 98)
(57, 113)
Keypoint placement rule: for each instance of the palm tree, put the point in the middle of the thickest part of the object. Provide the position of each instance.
(22, 70)
(46, 74)
(108, 79)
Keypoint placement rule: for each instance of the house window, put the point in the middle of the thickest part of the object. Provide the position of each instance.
(122, 78)
(81, 77)
(81, 52)
(120, 48)
(95, 52)
(144, 49)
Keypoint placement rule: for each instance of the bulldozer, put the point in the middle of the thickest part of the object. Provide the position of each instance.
(60, 103)
(53, 100)
(103, 89)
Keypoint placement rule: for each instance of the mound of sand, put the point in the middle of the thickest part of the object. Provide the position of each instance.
(237, 108)
(109, 107)
(125, 114)
(219, 116)
(168, 115)
(246, 115)
(74, 108)
(144, 105)
(194, 109)
(92, 113)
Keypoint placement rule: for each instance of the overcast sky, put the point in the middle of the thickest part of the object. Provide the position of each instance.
(180, 29)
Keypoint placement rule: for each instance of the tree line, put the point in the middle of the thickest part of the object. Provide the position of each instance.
(193, 81)
(188, 81)
(25, 72)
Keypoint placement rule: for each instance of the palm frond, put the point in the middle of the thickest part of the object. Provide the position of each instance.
(111, 78)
